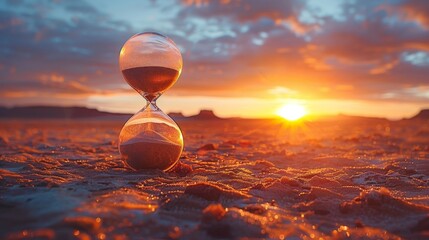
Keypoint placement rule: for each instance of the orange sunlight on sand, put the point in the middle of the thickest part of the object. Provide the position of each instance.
(292, 111)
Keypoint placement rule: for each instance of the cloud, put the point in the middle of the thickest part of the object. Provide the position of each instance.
(364, 49)
(244, 11)
(230, 48)
(284, 13)
(411, 10)
(380, 69)
(46, 53)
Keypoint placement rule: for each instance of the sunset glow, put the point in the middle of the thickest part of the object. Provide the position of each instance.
(214, 119)
(373, 62)
(292, 111)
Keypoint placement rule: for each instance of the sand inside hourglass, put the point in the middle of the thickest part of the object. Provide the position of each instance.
(151, 79)
(150, 150)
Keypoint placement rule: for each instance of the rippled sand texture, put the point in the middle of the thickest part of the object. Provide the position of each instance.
(256, 179)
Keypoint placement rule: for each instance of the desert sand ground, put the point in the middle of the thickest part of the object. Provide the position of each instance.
(345, 179)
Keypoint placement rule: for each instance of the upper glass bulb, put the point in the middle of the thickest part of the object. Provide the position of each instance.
(150, 63)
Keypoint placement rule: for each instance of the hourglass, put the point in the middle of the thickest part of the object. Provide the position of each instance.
(150, 139)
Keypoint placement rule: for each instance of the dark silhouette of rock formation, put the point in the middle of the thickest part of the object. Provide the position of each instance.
(422, 115)
(205, 115)
(48, 112)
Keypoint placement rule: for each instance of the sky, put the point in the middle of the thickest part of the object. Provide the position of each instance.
(241, 58)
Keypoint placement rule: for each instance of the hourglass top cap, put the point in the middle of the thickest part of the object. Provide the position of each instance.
(150, 49)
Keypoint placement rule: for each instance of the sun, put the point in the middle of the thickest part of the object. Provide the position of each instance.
(292, 111)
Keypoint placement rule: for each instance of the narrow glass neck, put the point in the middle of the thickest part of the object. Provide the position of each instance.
(151, 106)
(151, 101)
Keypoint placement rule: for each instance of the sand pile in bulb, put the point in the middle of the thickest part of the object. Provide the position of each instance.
(150, 150)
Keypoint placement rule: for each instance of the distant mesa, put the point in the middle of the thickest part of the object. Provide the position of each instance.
(205, 115)
(50, 112)
(344, 117)
(422, 115)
